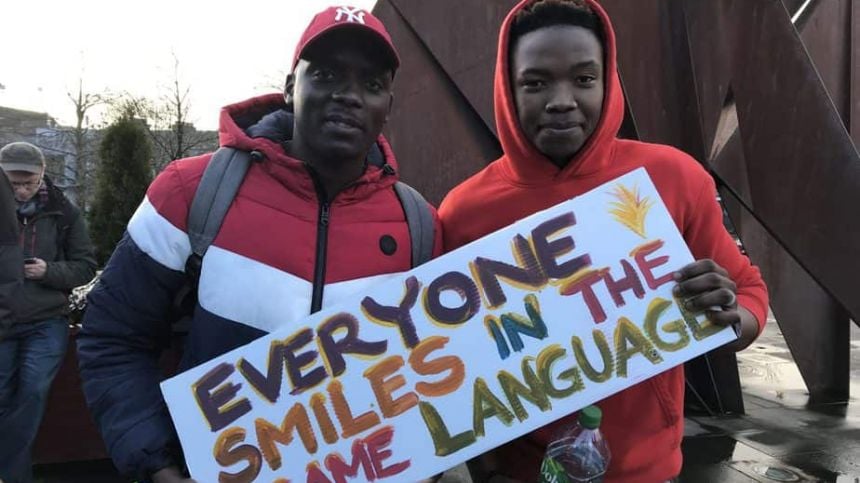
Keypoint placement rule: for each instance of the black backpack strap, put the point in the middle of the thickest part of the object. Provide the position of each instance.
(420, 221)
(215, 193)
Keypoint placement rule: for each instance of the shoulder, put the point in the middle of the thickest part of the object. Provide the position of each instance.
(661, 158)
(672, 171)
(171, 192)
(58, 201)
(471, 194)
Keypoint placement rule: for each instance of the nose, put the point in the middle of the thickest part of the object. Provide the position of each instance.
(562, 99)
(348, 93)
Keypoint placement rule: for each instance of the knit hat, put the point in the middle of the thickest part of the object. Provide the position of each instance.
(21, 156)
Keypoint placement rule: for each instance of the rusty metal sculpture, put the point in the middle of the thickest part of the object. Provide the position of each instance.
(764, 93)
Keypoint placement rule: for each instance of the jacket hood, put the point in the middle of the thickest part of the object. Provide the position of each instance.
(265, 123)
(522, 163)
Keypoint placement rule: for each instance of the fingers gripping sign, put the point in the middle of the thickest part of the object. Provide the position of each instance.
(706, 287)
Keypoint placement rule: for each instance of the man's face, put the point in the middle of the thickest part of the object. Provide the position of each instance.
(25, 184)
(558, 83)
(341, 95)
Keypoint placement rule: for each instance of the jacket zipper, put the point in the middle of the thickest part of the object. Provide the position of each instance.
(28, 228)
(322, 237)
(322, 243)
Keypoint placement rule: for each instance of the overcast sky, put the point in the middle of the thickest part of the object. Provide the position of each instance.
(227, 51)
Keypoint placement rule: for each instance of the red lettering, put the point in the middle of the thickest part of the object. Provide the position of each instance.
(630, 281)
(316, 475)
(340, 470)
(647, 266)
(376, 444)
(583, 282)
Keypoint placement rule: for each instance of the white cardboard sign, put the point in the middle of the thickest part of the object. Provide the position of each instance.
(437, 365)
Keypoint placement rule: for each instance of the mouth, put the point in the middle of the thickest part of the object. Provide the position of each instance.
(344, 122)
(561, 126)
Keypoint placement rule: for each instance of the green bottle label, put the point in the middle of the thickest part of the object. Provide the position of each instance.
(551, 471)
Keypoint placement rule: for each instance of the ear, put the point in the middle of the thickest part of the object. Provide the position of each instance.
(390, 104)
(289, 85)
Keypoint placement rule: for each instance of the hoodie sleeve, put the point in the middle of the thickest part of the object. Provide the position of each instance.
(707, 238)
(126, 327)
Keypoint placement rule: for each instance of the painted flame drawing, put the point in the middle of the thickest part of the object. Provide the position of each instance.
(630, 209)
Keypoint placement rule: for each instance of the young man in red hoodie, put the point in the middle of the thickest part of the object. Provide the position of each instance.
(558, 108)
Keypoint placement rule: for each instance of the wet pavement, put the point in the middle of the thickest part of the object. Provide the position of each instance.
(780, 438)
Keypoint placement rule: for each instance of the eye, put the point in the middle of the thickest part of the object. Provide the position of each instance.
(323, 74)
(531, 85)
(586, 80)
(375, 85)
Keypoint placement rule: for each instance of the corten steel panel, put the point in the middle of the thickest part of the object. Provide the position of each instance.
(654, 63)
(437, 138)
(854, 81)
(462, 37)
(826, 34)
(710, 43)
(803, 170)
(820, 348)
(817, 331)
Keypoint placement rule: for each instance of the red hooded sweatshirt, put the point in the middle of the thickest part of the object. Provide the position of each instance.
(644, 423)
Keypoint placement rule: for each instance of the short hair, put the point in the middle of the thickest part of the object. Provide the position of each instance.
(548, 13)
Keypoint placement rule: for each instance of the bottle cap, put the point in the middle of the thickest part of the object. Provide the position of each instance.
(590, 416)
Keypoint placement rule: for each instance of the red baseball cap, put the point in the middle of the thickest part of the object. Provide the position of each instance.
(342, 17)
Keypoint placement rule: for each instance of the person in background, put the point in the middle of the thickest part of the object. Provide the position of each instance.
(56, 256)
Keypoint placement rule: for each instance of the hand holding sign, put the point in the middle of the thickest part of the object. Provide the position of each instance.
(704, 285)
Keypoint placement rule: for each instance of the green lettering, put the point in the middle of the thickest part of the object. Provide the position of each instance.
(655, 309)
(443, 441)
(487, 405)
(545, 360)
(514, 390)
(626, 333)
(605, 353)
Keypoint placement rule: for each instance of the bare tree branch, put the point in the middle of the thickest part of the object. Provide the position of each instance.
(167, 121)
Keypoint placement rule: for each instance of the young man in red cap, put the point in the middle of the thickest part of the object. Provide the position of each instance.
(316, 219)
(559, 105)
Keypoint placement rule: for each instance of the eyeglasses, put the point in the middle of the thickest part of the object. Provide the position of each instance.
(27, 184)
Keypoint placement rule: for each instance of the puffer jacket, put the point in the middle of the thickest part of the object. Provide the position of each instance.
(281, 253)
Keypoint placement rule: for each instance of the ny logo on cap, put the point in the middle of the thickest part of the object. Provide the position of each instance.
(353, 14)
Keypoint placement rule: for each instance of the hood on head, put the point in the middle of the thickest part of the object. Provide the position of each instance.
(522, 162)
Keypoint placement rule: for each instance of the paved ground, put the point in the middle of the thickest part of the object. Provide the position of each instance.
(781, 437)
